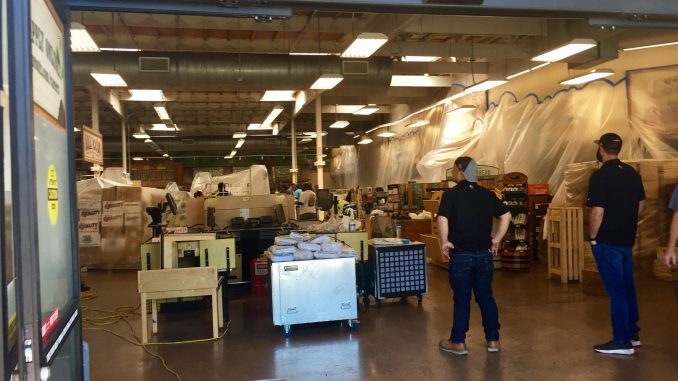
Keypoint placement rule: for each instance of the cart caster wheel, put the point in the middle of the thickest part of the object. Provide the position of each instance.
(286, 330)
(352, 324)
(420, 297)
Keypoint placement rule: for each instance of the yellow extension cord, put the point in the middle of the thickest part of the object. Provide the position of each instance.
(122, 314)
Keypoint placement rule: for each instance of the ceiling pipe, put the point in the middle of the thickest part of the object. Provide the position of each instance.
(215, 72)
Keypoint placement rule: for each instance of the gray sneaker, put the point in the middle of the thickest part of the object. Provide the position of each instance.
(614, 349)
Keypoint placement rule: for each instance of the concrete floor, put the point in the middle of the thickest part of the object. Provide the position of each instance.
(548, 330)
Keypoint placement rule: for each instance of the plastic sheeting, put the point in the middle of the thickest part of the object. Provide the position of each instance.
(536, 136)
(253, 181)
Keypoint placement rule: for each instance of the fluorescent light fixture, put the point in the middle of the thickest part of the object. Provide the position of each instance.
(146, 95)
(233, 153)
(313, 135)
(365, 141)
(419, 123)
(485, 85)
(165, 155)
(276, 129)
(240, 143)
(461, 110)
(141, 135)
(419, 58)
(340, 124)
(305, 140)
(311, 54)
(268, 122)
(109, 79)
(278, 96)
(81, 41)
(421, 81)
(367, 110)
(76, 129)
(162, 112)
(651, 46)
(163, 127)
(365, 45)
(327, 81)
(387, 134)
(575, 46)
(137, 158)
(240, 135)
(148, 141)
(588, 77)
(120, 49)
(528, 70)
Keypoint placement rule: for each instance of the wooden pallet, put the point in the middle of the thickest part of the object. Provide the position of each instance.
(566, 243)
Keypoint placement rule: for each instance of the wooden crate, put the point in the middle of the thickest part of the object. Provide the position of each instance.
(433, 250)
(660, 270)
(566, 243)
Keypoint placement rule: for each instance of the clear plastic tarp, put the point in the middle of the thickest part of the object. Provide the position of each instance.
(538, 137)
(253, 181)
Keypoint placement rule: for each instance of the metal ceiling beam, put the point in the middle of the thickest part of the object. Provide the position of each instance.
(440, 68)
(185, 7)
(520, 26)
(461, 49)
(489, 7)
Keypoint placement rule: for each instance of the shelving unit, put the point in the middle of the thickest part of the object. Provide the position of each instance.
(516, 253)
(394, 199)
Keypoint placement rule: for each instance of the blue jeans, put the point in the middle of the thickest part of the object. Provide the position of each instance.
(472, 271)
(615, 265)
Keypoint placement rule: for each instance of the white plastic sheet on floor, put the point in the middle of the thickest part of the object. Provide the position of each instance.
(253, 181)
(536, 136)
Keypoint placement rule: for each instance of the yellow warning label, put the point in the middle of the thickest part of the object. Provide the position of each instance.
(52, 194)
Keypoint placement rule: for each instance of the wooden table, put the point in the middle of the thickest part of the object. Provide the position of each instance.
(179, 283)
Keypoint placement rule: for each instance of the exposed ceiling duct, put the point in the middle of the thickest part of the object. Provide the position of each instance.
(215, 72)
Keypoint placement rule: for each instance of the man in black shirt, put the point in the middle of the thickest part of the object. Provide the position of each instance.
(465, 231)
(616, 198)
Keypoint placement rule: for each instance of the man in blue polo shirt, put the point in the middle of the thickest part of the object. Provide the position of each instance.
(465, 231)
(616, 198)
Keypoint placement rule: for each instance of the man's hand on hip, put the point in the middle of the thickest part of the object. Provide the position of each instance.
(445, 249)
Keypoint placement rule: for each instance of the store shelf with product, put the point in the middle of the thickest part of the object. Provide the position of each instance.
(516, 250)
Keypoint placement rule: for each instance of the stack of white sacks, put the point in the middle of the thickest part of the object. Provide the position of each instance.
(303, 247)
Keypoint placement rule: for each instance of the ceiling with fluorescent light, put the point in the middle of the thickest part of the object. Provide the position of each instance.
(460, 49)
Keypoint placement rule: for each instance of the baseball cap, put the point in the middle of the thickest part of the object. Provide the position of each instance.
(468, 166)
(610, 141)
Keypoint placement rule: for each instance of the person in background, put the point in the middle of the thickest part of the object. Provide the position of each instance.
(465, 230)
(298, 191)
(307, 202)
(670, 254)
(616, 198)
(221, 190)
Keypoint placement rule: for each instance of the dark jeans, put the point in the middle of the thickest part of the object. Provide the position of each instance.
(472, 271)
(615, 265)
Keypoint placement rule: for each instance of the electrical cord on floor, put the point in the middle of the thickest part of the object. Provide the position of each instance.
(122, 314)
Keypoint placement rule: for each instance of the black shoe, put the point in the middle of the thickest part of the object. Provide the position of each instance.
(614, 349)
(636, 341)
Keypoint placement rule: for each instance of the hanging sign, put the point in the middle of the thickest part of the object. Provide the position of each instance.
(92, 146)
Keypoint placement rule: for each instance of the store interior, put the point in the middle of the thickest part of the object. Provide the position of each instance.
(190, 127)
